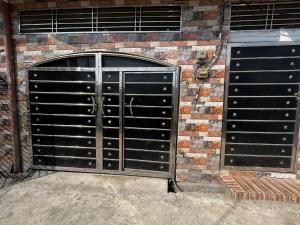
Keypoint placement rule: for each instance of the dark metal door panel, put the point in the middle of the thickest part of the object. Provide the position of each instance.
(265, 64)
(64, 162)
(262, 108)
(111, 123)
(147, 134)
(146, 165)
(63, 120)
(110, 143)
(64, 141)
(64, 130)
(145, 89)
(259, 138)
(65, 151)
(260, 126)
(62, 109)
(265, 77)
(149, 77)
(265, 51)
(263, 90)
(145, 112)
(273, 162)
(61, 87)
(147, 144)
(61, 76)
(148, 123)
(275, 150)
(272, 114)
(147, 155)
(149, 100)
(271, 102)
(148, 120)
(64, 98)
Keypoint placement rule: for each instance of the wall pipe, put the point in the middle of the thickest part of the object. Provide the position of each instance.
(8, 49)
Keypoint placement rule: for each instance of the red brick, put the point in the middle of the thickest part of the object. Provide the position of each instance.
(68, 4)
(200, 161)
(37, 48)
(183, 144)
(210, 15)
(187, 62)
(67, 47)
(187, 74)
(190, 35)
(207, 43)
(210, 54)
(188, 166)
(216, 99)
(169, 55)
(220, 74)
(188, 133)
(218, 110)
(185, 110)
(216, 145)
(103, 45)
(33, 5)
(214, 134)
(152, 36)
(201, 127)
(242, 173)
(203, 151)
(204, 116)
(52, 41)
(186, 98)
(172, 43)
(137, 44)
(204, 92)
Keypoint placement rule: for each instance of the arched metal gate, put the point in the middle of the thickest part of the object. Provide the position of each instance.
(105, 113)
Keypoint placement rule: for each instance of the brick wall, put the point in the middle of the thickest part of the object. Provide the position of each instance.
(199, 139)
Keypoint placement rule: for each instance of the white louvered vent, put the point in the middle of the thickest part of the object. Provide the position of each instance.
(112, 19)
(265, 16)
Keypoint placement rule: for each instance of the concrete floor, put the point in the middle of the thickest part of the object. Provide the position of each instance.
(75, 198)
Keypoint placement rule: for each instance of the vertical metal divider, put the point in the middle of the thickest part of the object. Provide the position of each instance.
(174, 126)
(225, 107)
(121, 116)
(296, 133)
(98, 118)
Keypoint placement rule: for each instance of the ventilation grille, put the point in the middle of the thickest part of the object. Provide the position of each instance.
(115, 19)
(38, 21)
(265, 16)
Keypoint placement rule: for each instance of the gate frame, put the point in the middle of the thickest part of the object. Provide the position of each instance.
(248, 42)
(165, 67)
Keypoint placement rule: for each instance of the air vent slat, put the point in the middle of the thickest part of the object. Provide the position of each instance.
(265, 16)
(135, 18)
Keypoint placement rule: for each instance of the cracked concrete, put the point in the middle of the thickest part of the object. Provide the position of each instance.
(89, 199)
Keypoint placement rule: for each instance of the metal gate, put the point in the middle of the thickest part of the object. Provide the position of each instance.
(261, 107)
(105, 113)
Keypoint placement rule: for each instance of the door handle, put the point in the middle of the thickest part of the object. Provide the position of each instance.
(102, 102)
(130, 105)
(94, 105)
